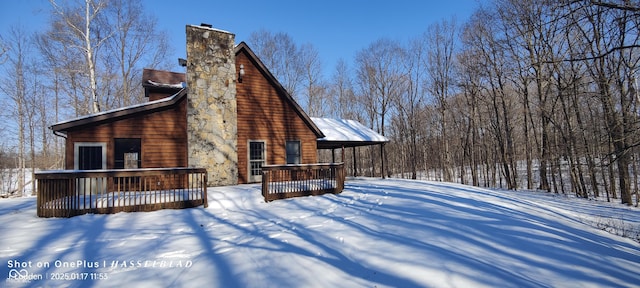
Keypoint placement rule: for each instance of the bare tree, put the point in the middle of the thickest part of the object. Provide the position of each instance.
(344, 104)
(496, 70)
(135, 42)
(315, 90)
(469, 79)
(281, 56)
(381, 77)
(3, 51)
(440, 64)
(63, 66)
(530, 36)
(608, 36)
(295, 66)
(98, 49)
(410, 104)
(81, 29)
(14, 86)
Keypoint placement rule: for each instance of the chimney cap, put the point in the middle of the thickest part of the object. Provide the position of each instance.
(209, 28)
(206, 25)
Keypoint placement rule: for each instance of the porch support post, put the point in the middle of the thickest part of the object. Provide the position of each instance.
(382, 160)
(355, 166)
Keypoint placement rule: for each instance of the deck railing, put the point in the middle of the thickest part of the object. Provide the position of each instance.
(286, 181)
(68, 193)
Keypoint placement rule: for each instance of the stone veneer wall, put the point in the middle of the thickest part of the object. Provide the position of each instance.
(211, 109)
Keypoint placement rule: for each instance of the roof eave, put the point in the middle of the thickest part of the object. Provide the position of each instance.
(64, 126)
(334, 144)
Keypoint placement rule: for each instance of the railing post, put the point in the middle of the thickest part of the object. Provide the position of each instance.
(265, 185)
(340, 177)
(39, 195)
(204, 190)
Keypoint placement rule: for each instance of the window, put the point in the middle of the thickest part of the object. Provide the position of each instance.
(293, 152)
(257, 158)
(127, 153)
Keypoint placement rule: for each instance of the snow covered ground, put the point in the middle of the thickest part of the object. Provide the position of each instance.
(377, 233)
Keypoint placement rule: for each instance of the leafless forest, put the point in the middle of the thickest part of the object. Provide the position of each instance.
(523, 95)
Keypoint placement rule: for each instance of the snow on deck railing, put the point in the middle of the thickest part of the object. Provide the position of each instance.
(286, 181)
(67, 193)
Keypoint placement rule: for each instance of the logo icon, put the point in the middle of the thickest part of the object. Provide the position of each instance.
(18, 274)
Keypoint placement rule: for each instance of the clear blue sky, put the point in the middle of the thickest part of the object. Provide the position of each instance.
(338, 29)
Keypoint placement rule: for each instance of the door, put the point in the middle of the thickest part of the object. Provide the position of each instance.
(90, 156)
(257, 158)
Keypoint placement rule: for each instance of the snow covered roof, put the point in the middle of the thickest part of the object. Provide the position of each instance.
(166, 85)
(347, 133)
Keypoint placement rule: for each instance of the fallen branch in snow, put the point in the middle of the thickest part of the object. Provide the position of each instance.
(618, 226)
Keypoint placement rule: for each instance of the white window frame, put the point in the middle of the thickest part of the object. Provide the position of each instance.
(255, 178)
(76, 152)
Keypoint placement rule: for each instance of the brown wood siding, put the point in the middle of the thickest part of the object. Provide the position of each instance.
(163, 137)
(264, 114)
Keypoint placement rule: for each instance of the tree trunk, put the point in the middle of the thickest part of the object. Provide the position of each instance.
(544, 156)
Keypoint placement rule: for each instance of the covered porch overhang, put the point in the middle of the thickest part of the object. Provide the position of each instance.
(343, 133)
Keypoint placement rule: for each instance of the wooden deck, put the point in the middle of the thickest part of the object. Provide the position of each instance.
(69, 193)
(286, 181)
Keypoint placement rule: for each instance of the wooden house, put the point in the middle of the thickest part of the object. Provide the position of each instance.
(227, 120)
(227, 114)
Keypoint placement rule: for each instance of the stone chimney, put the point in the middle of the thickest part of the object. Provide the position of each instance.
(211, 109)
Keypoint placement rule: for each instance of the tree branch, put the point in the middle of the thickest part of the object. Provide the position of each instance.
(626, 6)
(605, 54)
